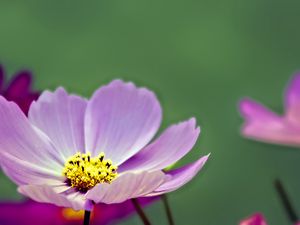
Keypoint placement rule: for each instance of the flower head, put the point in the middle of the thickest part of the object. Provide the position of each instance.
(74, 152)
(256, 219)
(19, 89)
(52, 215)
(264, 125)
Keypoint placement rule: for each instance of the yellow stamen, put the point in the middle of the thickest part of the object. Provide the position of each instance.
(84, 172)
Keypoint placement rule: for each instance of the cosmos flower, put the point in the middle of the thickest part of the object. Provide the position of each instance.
(74, 152)
(19, 89)
(256, 219)
(264, 125)
(49, 214)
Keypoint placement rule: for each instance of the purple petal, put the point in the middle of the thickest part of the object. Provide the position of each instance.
(46, 194)
(24, 147)
(127, 186)
(264, 125)
(19, 86)
(171, 146)
(256, 219)
(180, 176)
(292, 100)
(1, 78)
(120, 120)
(61, 117)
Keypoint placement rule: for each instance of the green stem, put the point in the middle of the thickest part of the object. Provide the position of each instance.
(165, 201)
(140, 211)
(87, 216)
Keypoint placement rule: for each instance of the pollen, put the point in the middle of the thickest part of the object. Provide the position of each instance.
(83, 172)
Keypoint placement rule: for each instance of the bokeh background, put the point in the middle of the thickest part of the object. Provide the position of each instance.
(200, 57)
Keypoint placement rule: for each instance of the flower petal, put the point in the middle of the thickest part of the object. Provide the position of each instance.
(46, 194)
(256, 219)
(127, 186)
(292, 100)
(61, 117)
(171, 146)
(180, 176)
(264, 125)
(1, 78)
(120, 120)
(24, 147)
(19, 86)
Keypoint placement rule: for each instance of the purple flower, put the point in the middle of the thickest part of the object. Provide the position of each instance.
(30, 212)
(74, 152)
(264, 125)
(19, 89)
(256, 219)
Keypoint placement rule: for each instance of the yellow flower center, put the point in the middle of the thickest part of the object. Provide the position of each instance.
(83, 172)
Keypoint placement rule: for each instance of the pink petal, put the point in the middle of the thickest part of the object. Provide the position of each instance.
(24, 148)
(46, 194)
(180, 176)
(292, 100)
(127, 186)
(264, 125)
(120, 120)
(256, 219)
(61, 117)
(19, 86)
(1, 78)
(171, 146)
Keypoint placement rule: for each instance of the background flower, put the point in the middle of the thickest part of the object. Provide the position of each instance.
(19, 89)
(30, 212)
(264, 125)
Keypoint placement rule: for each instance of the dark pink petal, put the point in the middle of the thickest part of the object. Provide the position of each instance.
(264, 125)
(61, 117)
(25, 151)
(19, 86)
(180, 176)
(45, 193)
(292, 100)
(1, 78)
(256, 219)
(171, 146)
(127, 186)
(31, 212)
(120, 120)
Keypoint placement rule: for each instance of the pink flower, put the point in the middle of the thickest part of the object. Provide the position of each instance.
(19, 89)
(256, 219)
(30, 212)
(264, 125)
(74, 152)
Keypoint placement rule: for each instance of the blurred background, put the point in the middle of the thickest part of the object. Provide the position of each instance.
(200, 57)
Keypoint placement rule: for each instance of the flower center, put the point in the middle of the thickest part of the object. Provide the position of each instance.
(83, 172)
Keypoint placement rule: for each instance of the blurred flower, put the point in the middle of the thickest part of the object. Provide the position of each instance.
(19, 89)
(256, 219)
(31, 212)
(264, 125)
(73, 152)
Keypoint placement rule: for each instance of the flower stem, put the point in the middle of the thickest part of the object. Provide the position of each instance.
(164, 199)
(140, 211)
(286, 201)
(87, 215)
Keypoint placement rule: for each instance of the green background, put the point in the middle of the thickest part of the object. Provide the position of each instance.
(201, 58)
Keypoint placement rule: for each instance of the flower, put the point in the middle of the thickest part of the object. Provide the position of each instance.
(264, 125)
(19, 89)
(74, 152)
(256, 219)
(49, 214)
